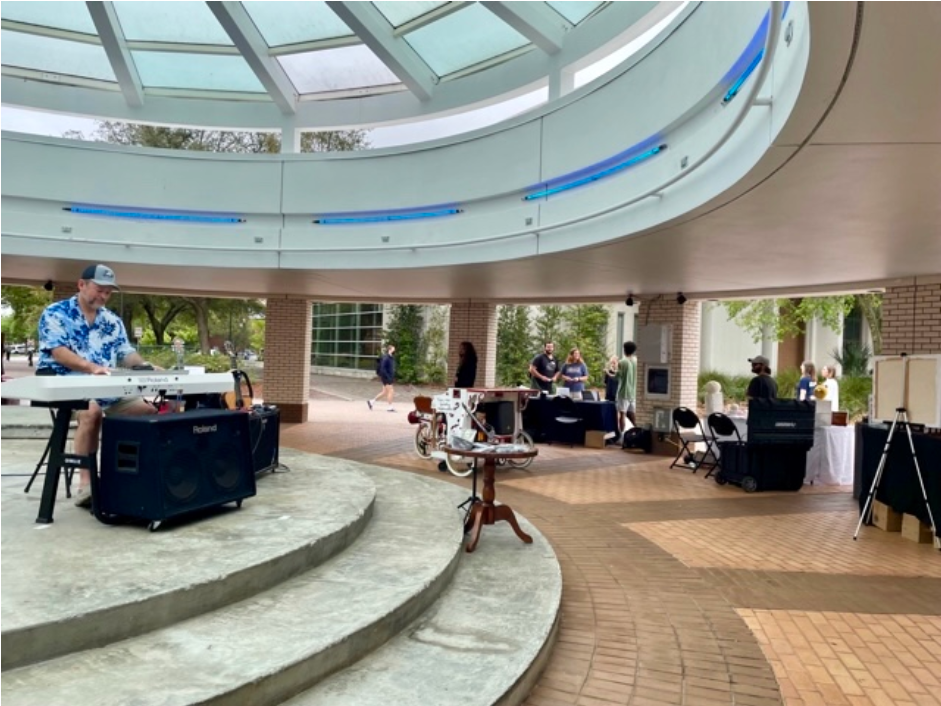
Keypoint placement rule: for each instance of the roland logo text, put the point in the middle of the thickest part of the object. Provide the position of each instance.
(205, 428)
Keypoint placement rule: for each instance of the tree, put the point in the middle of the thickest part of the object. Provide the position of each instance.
(550, 326)
(870, 305)
(588, 330)
(436, 360)
(26, 305)
(786, 318)
(120, 133)
(514, 345)
(405, 333)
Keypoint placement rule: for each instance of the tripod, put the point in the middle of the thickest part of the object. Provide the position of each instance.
(901, 419)
(469, 503)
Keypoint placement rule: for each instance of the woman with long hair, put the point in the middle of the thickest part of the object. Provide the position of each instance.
(575, 373)
(466, 366)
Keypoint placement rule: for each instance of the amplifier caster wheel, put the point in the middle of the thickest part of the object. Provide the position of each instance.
(720, 479)
(749, 484)
(238, 503)
(155, 525)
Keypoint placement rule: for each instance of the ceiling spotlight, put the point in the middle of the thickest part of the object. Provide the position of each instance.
(630, 300)
(680, 298)
(49, 286)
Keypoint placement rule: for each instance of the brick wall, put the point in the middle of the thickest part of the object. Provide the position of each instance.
(475, 322)
(686, 320)
(287, 357)
(67, 290)
(911, 317)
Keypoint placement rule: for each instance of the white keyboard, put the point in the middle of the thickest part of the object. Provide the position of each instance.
(125, 383)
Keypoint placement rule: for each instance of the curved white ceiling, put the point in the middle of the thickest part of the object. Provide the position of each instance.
(847, 196)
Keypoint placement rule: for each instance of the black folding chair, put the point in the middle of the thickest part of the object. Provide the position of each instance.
(689, 430)
(567, 426)
(720, 425)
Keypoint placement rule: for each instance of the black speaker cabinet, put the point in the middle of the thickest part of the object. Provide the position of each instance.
(160, 466)
(265, 425)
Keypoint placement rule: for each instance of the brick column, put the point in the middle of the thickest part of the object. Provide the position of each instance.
(686, 320)
(67, 290)
(475, 322)
(287, 357)
(911, 317)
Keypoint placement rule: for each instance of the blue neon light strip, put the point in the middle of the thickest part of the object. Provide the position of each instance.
(151, 215)
(756, 50)
(548, 191)
(736, 87)
(386, 217)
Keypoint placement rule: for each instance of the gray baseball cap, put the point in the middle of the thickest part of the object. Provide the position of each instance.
(760, 359)
(102, 275)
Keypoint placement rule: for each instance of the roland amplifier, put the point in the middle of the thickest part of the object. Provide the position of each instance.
(265, 426)
(159, 466)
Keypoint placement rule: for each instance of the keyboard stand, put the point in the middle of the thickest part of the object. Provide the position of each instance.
(59, 459)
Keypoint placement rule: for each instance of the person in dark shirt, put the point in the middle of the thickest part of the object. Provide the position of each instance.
(545, 368)
(387, 377)
(807, 383)
(467, 365)
(762, 386)
(611, 380)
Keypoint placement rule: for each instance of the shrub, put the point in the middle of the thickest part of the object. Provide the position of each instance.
(733, 386)
(854, 395)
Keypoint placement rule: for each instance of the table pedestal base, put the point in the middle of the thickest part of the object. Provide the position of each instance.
(485, 512)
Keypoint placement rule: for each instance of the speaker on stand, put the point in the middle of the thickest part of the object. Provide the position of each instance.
(160, 466)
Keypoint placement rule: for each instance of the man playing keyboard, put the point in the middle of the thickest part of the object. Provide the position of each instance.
(79, 336)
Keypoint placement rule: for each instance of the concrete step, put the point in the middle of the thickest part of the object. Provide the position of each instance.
(485, 641)
(278, 643)
(78, 584)
(24, 422)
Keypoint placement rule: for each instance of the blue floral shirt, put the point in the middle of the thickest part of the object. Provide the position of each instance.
(103, 342)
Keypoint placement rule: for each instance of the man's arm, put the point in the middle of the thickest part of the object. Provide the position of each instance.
(66, 357)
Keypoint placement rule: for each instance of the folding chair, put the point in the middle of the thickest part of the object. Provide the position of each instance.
(689, 430)
(720, 425)
(567, 427)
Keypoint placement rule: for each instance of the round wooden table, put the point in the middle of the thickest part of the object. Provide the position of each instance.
(484, 511)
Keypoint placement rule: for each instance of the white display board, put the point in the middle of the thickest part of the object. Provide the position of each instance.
(913, 382)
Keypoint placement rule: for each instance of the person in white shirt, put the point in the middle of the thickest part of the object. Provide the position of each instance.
(833, 387)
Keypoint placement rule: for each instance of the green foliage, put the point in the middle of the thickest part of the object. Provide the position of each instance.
(164, 357)
(854, 395)
(870, 306)
(121, 133)
(786, 318)
(787, 383)
(853, 359)
(26, 305)
(588, 330)
(405, 333)
(514, 345)
(436, 359)
(551, 326)
(733, 386)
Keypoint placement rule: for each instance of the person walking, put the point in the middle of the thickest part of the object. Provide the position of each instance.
(807, 383)
(387, 377)
(627, 387)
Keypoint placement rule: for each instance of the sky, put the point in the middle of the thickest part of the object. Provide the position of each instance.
(56, 124)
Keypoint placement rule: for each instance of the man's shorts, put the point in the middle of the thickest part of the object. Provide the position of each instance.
(625, 406)
(116, 408)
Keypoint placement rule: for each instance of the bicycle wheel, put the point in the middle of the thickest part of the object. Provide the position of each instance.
(459, 465)
(522, 439)
(423, 441)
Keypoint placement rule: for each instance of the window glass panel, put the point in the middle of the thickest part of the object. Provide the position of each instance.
(574, 12)
(57, 56)
(293, 22)
(398, 13)
(181, 22)
(60, 15)
(209, 72)
(336, 69)
(463, 39)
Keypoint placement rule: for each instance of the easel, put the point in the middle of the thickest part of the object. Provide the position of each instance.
(901, 419)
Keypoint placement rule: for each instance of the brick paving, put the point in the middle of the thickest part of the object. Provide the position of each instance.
(678, 591)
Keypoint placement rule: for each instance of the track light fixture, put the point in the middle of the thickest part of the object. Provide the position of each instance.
(680, 298)
(630, 299)
(49, 286)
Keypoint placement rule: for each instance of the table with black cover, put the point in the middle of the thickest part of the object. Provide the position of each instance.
(899, 487)
(540, 413)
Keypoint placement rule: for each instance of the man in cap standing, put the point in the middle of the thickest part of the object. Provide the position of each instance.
(79, 336)
(762, 386)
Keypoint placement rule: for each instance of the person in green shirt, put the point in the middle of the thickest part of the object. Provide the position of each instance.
(627, 386)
